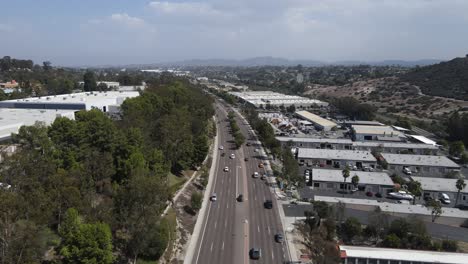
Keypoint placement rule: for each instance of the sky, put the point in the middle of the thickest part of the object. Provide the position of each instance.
(113, 32)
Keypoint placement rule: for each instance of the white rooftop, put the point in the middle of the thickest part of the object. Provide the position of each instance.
(273, 98)
(316, 140)
(365, 177)
(439, 184)
(335, 154)
(419, 160)
(424, 139)
(376, 130)
(405, 255)
(316, 119)
(393, 145)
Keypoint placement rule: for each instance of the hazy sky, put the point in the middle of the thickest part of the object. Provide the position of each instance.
(89, 32)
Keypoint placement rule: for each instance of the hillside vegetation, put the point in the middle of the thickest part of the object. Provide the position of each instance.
(447, 79)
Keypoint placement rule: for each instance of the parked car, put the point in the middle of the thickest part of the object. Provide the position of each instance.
(444, 198)
(263, 177)
(401, 195)
(407, 171)
(232, 156)
(255, 253)
(256, 150)
(221, 147)
(370, 194)
(279, 238)
(268, 204)
(248, 144)
(378, 195)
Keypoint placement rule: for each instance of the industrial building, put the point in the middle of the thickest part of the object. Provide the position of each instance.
(28, 111)
(373, 255)
(319, 123)
(381, 133)
(263, 99)
(336, 158)
(375, 182)
(348, 144)
(432, 187)
(424, 165)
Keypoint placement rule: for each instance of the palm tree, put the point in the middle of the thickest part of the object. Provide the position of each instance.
(346, 173)
(460, 186)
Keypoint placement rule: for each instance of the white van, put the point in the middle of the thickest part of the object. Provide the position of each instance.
(444, 198)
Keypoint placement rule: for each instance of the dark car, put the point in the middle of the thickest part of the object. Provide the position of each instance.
(246, 159)
(370, 194)
(248, 144)
(378, 195)
(223, 154)
(255, 253)
(279, 238)
(268, 204)
(240, 198)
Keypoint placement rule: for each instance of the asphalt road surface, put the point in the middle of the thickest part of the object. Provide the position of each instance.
(230, 228)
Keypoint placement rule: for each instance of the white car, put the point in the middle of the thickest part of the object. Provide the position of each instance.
(444, 198)
(226, 169)
(407, 171)
(401, 195)
(213, 197)
(232, 156)
(255, 175)
(221, 147)
(257, 150)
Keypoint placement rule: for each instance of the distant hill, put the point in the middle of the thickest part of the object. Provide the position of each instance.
(447, 79)
(275, 61)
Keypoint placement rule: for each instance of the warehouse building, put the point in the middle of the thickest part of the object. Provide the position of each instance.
(433, 187)
(381, 133)
(373, 255)
(336, 158)
(424, 165)
(316, 143)
(263, 99)
(319, 123)
(375, 182)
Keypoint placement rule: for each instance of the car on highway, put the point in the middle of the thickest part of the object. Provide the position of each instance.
(240, 198)
(213, 197)
(257, 150)
(248, 144)
(260, 165)
(255, 253)
(255, 175)
(226, 169)
(268, 204)
(223, 154)
(401, 195)
(263, 177)
(279, 238)
(232, 156)
(221, 147)
(246, 159)
(444, 198)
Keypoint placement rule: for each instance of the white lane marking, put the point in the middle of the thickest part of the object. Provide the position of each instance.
(211, 249)
(215, 224)
(222, 181)
(255, 198)
(258, 228)
(227, 205)
(272, 256)
(218, 205)
(225, 223)
(222, 248)
(268, 229)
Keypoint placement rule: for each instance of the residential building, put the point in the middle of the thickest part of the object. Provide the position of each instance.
(382, 133)
(336, 158)
(9, 85)
(373, 255)
(329, 179)
(423, 165)
(319, 123)
(432, 187)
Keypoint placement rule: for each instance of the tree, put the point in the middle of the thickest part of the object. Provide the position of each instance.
(102, 87)
(351, 228)
(449, 245)
(89, 79)
(345, 173)
(436, 209)
(460, 184)
(456, 148)
(392, 241)
(355, 180)
(196, 201)
(46, 65)
(415, 188)
(322, 209)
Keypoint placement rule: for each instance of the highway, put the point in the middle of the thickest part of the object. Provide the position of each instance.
(230, 228)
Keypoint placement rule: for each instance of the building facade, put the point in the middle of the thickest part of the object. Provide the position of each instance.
(420, 165)
(332, 158)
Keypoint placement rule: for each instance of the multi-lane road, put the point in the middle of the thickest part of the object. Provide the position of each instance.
(230, 228)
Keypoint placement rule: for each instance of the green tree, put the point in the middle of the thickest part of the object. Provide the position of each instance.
(351, 228)
(196, 201)
(436, 209)
(89, 80)
(456, 148)
(415, 188)
(355, 180)
(460, 185)
(449, 245)
(392, 241)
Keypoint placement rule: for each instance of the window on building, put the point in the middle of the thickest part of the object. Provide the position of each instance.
(372, 261)
(351, 260)
(362, 261)
(464, 198)
(342, 186)
(441, 170)
(316, 184)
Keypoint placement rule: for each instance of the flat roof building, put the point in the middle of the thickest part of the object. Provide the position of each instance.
(336, 158)
(329, 179)
(361, 133)
(265, 98)
(425, 165)
(374, 255)
(433, 186)
(320, 123)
